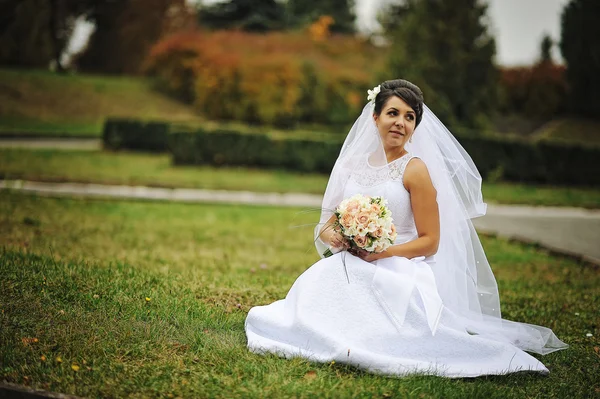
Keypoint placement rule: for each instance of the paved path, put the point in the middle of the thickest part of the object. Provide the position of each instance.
(90, 144)
(571, 231)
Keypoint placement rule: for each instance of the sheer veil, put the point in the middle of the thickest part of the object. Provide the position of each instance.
(463, 275)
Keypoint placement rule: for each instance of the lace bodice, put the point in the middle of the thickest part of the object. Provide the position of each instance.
(386, 181)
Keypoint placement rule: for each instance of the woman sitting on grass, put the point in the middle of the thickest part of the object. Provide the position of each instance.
(429, 303)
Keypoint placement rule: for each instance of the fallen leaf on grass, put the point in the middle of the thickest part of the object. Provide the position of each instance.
(311, 375)
(27, 341)
(43, 358)
(58, 359)
(178, 346)
(75, 367)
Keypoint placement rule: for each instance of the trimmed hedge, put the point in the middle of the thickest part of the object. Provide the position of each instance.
(541, 162)
(512, 160)
(129, 134)
(228, 147)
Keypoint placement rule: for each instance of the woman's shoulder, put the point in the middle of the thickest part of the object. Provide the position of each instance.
(416, 171)
(415, 164)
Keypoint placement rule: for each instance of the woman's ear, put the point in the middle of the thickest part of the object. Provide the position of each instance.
(375, 117)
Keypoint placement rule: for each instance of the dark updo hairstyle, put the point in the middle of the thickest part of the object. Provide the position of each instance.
(408, 92)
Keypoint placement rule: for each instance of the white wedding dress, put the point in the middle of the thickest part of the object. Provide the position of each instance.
(388, 318)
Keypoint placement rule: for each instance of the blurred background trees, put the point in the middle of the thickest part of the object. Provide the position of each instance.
(446, 49)
(125, 32)
(306, 12)
(289, 62)
(248, 15)
(277, 78)
(35, 32)
(580, 47)
(538, 92)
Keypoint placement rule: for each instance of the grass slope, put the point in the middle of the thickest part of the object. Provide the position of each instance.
(570, 130)
(156, 170)
(45, 103)
(129, 299)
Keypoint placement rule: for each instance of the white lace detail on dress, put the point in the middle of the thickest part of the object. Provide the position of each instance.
(386, 181)
(369, 176)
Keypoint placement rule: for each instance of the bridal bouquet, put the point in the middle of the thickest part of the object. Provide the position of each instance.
(366, 222)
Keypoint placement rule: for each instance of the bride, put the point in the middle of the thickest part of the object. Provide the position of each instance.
(429, 304)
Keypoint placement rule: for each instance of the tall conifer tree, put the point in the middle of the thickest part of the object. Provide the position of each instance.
(444, 46)
(580, 47)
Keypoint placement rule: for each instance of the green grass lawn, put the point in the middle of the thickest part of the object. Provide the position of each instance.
(143, 299)
(45, 103)
(147, 169)
(156, 170)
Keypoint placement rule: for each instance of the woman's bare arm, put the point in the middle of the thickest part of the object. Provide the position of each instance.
(425, 210)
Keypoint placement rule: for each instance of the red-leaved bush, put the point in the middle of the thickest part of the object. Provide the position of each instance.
(538, 91)
(279, 78)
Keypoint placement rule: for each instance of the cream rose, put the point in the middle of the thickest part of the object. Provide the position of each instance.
(378, 233)
(361, 241)
(347, 220)
(353, 207)
(363, 218)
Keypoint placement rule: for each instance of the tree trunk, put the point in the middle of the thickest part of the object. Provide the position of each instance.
(55, 10)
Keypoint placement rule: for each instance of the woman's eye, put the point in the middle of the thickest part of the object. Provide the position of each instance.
(410, 117)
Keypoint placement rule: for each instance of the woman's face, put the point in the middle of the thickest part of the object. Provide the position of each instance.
(396, 123)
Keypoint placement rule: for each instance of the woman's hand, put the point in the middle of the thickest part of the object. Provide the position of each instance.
(368, 256)
(331, 235)
(337, 240)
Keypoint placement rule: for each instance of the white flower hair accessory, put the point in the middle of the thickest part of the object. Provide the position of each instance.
(373, 93)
